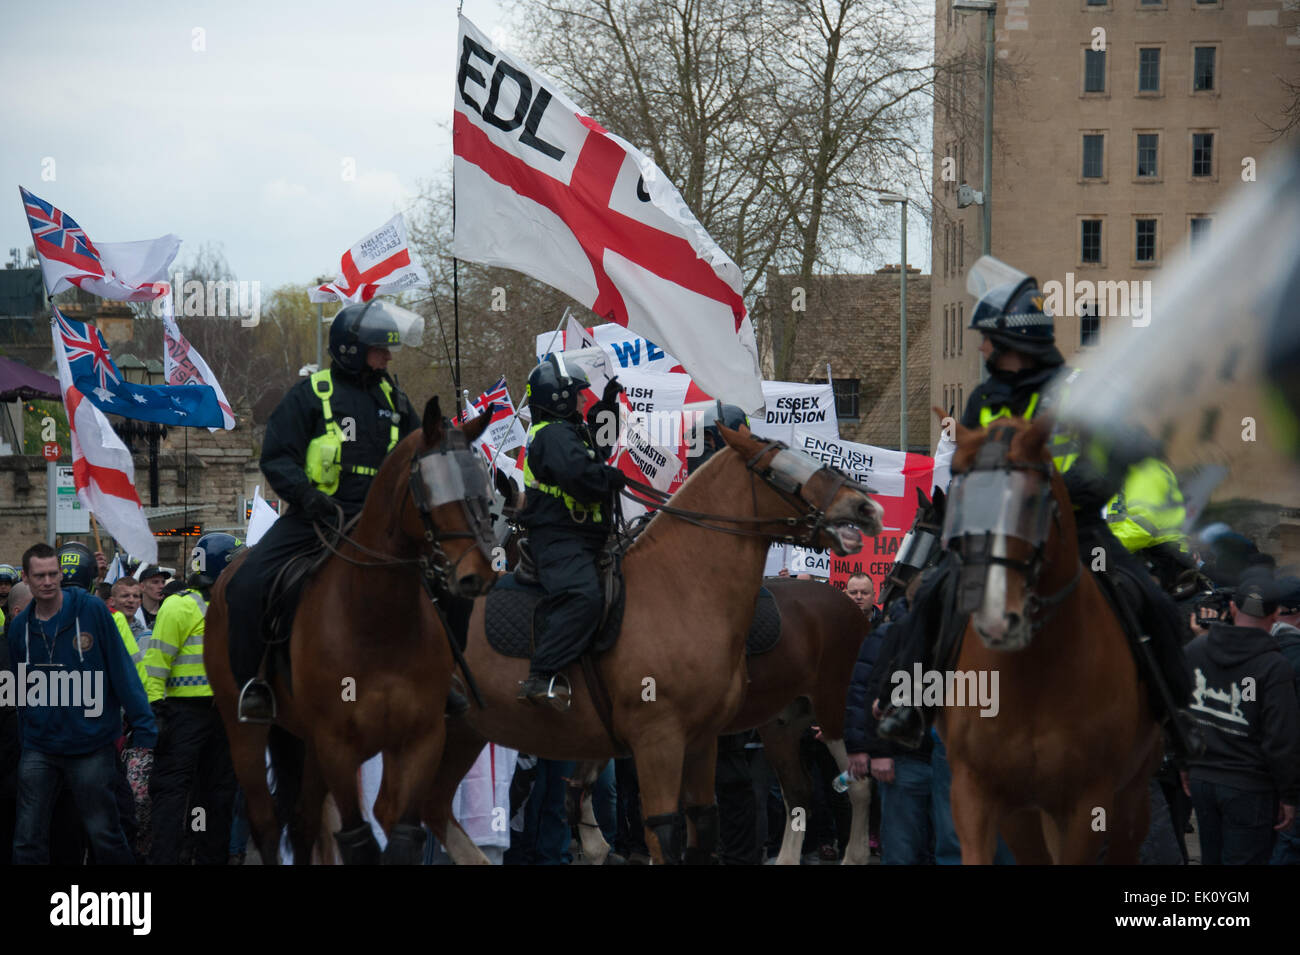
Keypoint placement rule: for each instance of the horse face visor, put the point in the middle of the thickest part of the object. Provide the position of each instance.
(1001, 503)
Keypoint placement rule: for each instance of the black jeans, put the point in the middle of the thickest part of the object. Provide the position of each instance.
(246, 592)
(91, 778)
(1235, 825)
(737, 821)
(570, 611)
(192, 748)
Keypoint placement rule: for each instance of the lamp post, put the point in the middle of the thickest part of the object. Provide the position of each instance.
(990, 9)
(891, 199)
(138, 372)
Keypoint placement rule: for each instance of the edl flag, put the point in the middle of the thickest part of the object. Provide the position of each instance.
(544, 189)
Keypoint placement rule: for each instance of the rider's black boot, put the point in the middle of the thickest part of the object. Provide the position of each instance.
(256, 702)
(904, 725)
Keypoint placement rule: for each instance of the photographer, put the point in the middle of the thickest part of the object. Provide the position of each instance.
(1245, 702)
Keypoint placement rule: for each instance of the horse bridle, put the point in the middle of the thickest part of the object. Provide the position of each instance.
(976, 550)
(803, 530)
(436, 567)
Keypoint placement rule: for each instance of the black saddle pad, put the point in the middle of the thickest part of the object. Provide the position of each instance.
(511, 607)
(765, 631)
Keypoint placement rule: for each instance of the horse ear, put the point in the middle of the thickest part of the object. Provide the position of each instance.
(741, 439)
(432, 422)
(939, 497)
(475, 427)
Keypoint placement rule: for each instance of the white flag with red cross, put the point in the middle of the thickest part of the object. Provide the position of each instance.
(544, 189)
(379, 264)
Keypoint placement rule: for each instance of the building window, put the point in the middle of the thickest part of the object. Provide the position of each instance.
(945, 331)
(1097, 3)
(961, 246)
(1149, 70)
(1203, 68)
(1202, 154)
(846, 398)
(1148, 155)
(961, 161)
(1146, 240)
(961, 406)
(1199, 231)
(1090, 242)
(947, 249)
(961, 326)
(1089, 326)
(1094, 71)
(1092, 154)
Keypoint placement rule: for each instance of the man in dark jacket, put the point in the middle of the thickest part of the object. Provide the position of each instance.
(1245, 700)
(324, 444)
(66, 647)
(1287, 633)
(568, 511)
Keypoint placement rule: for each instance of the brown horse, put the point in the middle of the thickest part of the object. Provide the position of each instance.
(370, 661)
(676, 677)
(1062, 768)
(803, 680)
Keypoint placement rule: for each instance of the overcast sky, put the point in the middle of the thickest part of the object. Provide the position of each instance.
(237, 134)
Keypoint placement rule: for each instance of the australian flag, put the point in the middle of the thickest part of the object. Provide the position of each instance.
(96, 376)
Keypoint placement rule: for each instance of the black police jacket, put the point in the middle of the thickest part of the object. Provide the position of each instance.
(299, 418)
(1013, 390)
(564, 454)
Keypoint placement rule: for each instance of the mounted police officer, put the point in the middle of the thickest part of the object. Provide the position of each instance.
(711, 440)
(323, 446)
(568, 498)
(1018, 343)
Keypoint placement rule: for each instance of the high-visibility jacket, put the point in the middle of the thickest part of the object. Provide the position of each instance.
(577, 509)
(174, 660)
(133, 648)
(1149, 508)
(325, 452)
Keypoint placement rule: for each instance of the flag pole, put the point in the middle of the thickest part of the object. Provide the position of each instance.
(455, 293)
(563, 318)
(94, 526)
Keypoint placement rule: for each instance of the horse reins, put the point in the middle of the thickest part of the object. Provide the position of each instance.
(813, 520)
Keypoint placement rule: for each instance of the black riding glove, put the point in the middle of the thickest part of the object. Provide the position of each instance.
(612, 390)
(617, 479)
(319, 507)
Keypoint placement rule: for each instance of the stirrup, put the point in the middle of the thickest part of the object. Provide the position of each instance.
(253, 700)
(557, 701)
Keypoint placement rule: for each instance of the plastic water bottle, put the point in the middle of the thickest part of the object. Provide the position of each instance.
(841, 782)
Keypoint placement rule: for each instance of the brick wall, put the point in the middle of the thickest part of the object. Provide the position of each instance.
(851, 321)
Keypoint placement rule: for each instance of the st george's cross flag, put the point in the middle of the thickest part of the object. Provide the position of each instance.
(102, 470)
(544, 189)
(92, 370)
(122, 271)
(379, 264)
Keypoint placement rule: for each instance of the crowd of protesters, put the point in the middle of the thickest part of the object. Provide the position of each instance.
(78, 787)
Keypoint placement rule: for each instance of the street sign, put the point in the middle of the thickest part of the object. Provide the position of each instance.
(52, 451)
(69, 515)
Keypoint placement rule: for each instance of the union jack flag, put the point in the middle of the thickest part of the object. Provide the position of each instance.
(87, 351)
(57, 236)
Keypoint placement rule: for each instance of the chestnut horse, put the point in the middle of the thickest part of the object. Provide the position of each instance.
(1062, 768)
(676, 677)
(370, 659)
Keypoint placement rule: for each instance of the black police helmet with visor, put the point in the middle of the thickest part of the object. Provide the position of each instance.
(374, 324)
(211, 555)
(554, 388)
(1009, 309)
(77, 565)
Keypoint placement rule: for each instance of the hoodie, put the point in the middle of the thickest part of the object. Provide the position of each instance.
(1244, 698)
(88, 652)
(1288, 640)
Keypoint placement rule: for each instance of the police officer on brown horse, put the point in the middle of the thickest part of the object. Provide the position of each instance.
(323, 446)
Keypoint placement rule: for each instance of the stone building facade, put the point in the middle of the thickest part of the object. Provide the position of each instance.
(851, 323)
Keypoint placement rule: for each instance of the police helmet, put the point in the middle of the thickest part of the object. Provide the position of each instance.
(78, 566)
(731, 417)
(1010, 310)
(554, 388)
(8, 574)
(210, 556)
(374, 324)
